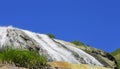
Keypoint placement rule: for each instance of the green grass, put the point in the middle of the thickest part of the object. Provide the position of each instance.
(22, 58)
(116, 52)
(118, 64)
(78, 43)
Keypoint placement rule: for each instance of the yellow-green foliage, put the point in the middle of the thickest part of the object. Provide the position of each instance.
(116, 54)
(118, 63)
(23, 58)
(78, 43)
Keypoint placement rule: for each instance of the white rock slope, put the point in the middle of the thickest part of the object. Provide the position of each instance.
(54, 50)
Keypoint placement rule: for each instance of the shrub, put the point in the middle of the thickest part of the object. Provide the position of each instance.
(23, 58)
(76, 42)
(51, 35)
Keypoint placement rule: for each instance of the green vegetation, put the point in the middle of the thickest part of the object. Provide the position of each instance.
(116, 54)
(118, 64)
(22, 58)
(51, 35)
(78, 43)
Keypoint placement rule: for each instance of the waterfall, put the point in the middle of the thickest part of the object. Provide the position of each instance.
(55, 49)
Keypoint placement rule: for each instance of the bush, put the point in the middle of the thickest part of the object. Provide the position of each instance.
(51, 35)
(78, 43)
(23, 58)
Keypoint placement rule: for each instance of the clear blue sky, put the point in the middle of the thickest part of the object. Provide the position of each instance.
(94, 22)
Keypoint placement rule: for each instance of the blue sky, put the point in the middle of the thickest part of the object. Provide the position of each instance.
(94, 22)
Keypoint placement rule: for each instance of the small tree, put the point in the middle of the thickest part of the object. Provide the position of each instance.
(51, 35)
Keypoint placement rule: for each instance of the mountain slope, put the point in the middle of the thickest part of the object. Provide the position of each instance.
(53, 49)
(116, 54)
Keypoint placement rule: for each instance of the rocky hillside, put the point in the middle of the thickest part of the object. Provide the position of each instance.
(103, 57)
(54, 49)
(116, 54)
(66, 65)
